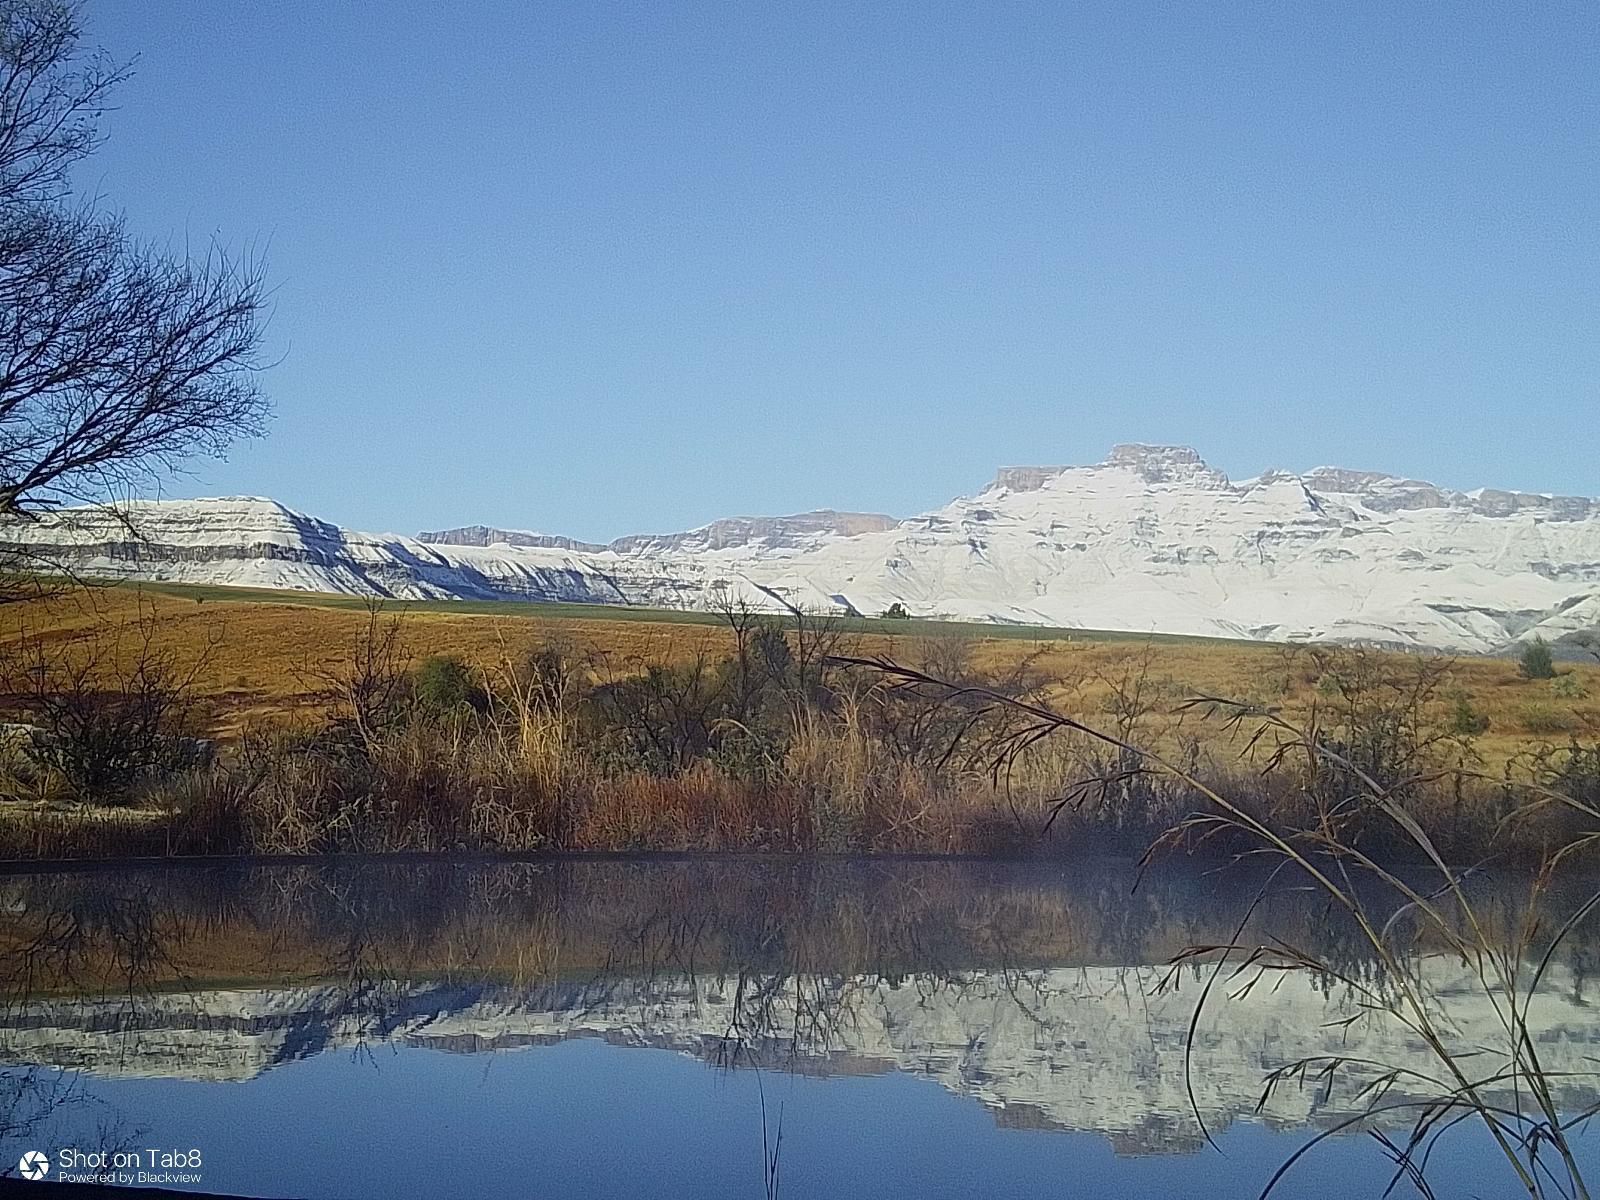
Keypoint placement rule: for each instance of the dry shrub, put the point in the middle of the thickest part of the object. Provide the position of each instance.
(43, 834)
(698, 809)
(426, 787)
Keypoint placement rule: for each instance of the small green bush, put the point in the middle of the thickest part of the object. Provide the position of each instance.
(1537, 662)
(444, 684)
(897, 612)
(1567, 687)
(1541, 718)
(1466, 721)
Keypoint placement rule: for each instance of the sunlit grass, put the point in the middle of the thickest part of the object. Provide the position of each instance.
(264, 647)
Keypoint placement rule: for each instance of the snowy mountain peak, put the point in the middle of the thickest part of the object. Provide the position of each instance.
(1164, 464)
(1023, 479)
(1153, 464)
(1391, 493)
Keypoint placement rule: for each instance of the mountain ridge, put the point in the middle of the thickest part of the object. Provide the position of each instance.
(1151, 539)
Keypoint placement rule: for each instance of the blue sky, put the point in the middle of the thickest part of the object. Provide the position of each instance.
(604, 268)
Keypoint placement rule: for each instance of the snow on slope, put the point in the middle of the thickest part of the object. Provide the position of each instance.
(1152, 540)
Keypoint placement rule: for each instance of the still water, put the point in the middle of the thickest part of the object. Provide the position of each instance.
(728, 1028)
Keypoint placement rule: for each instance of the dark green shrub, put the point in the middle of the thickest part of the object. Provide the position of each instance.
(1466, 721)
(1576, 773)
(106, 743)
(109, 720)
(771, 651)
(1536, 661)
(661, 720)
(752, 756)
(444, 684)
(1374, 721)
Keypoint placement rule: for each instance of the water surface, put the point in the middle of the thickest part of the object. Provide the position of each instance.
(674, 1027)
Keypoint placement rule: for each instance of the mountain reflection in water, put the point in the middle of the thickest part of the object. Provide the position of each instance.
(1038, 991)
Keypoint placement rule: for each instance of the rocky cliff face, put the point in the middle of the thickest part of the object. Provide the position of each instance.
(1153, 539)
(485, 535)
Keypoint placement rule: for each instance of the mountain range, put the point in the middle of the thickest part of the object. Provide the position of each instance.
(1152, 539)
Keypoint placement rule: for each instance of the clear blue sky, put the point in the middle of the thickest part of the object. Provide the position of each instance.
(601, 268)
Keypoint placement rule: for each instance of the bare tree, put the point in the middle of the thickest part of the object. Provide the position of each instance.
(921, 725)
(117, 359)
(666, 717)
(370, 687)
(744, 620)
(817, 638)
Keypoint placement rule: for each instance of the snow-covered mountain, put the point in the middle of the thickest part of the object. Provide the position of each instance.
(1150, 540)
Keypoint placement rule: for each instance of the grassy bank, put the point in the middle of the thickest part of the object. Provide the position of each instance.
(258, 657)
(348, 728)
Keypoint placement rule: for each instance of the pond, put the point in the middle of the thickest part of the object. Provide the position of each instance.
(739, 1027)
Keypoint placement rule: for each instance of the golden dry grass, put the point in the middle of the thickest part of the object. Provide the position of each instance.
(260, 660)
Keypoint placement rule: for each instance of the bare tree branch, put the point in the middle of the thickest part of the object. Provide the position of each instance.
(118, 359)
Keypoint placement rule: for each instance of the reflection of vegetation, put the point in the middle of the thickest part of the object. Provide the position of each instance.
(1359, 772)
(35, 1101)
(139, 931)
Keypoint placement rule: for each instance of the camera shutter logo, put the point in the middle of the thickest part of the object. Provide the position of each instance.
(34, 1165)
